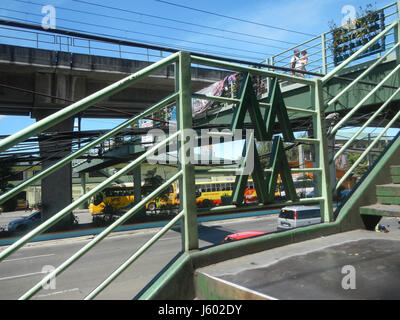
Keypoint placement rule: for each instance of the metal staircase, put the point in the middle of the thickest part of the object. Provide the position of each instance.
(388, 197)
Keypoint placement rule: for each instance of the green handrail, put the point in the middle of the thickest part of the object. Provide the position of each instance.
(370, 119)
(186, 171)
(323, 43)
(134, 257)
(98, 238)
(83, 104)
(354, 56)
(361, 103)
(239, 68)
(46, 172)
(294, 47)
(77, 107)
(366, 151)
(362, 75)
(58, 216)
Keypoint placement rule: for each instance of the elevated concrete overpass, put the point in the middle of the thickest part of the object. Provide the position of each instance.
(296, 94)
(71, 77)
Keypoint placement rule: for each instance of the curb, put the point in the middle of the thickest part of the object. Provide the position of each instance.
(139, 226)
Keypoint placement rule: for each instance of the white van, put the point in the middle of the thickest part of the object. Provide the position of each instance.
(298, 216)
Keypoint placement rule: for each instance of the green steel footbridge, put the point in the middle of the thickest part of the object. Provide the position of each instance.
(359, 90)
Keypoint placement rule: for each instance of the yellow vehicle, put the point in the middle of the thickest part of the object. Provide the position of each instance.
(211, 193)
(121, 199)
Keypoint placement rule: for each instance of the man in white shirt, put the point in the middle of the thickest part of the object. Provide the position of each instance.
(295, 63)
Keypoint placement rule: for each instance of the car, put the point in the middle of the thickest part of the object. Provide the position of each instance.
(310, 194)
(298, 216)
(242, 235)
(26, 223)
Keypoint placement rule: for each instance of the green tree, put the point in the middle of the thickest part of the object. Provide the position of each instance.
(362, 167)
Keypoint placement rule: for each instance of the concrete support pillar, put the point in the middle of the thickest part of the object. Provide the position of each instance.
(57, 187)
(332, 166)
(84, 177)
(137, 184)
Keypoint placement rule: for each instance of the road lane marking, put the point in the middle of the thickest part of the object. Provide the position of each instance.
(54, 293)
(33, 257)
(21, 276)
(173, 238)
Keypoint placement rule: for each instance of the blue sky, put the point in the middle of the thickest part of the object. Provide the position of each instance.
(307, 16)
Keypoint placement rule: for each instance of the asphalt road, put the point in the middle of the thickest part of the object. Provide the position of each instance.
(23, 269)
(20, 271)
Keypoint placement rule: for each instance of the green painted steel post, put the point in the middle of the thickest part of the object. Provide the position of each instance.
(398, 9)
(324, 60)
(322, 152)
(137, 184)
(397, 32)
(269, 62)
(82, 104)
(180, 181)
(187, 189)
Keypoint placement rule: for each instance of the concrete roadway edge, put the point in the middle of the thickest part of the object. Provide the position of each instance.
(134, 227)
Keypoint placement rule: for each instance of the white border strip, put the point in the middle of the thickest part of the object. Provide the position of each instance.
(261, 295)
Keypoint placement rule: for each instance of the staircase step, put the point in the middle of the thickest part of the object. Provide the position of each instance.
(378, 209)
(388, 200)
(395, 173)
(395, 170)
(396, 179)
(388, 190)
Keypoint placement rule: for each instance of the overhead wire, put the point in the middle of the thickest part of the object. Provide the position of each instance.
(182, 22)
(140, 33)
(60, 99)
(156, 25)
(120, 38)
(235, 18)
(73, 101)
(59, 153)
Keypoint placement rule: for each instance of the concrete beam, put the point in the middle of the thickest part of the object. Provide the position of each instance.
(81, 75)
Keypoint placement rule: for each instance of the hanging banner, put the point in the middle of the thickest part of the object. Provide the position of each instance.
(351, 37)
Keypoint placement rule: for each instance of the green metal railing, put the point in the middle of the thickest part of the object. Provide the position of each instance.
(392, 27)
(317, 113)
(319, 47)
(186, 171)
(180, 95)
